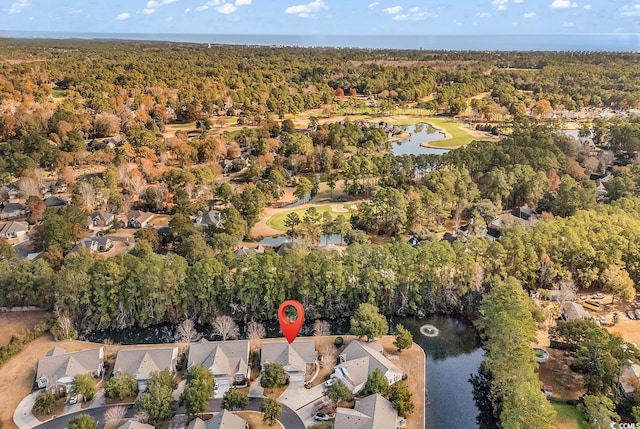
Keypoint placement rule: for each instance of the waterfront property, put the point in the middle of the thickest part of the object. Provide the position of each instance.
(372, 412)
(142, 362)
(228, 361)
(57, 369)
(223, 420)
(359, 360)
(295, 358)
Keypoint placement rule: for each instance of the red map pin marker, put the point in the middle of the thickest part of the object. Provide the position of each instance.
(290, 329)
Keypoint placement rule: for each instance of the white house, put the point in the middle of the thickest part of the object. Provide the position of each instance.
(372, 412)
(58, 368)
(14, 229)
(359, 360)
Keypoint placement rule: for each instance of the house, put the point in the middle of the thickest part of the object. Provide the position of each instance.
(95, 244)
(210, 218)
(629, 380)
(245, 251)
(359, 359)
(494, 229)
(138, 219)
(134, 424)
(574, 311)
(12, 210)
(55, 202)
(372, 412)
(294, 357)
(57, 369)
(142, 362)
(13, 229)
(524, 212)
(224, 420)
(12, 192)
(228, 361)
(101, 219)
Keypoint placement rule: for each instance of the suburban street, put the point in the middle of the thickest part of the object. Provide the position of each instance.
(289, 418)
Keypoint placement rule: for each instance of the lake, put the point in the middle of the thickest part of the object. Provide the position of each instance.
(421, 132)
(452, 357)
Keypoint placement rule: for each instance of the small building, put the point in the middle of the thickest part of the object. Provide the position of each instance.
(629, 380)
(96, 244)
(295, 358)
(372, 412)
(574, 311)
(228, 361)
(57, 369)
(12, 192)
(524, 213)
(55, 202)
(142, 362)
(245, 251)
(223, 420)
(12, 210)
(14, 229)
(138, 219)
(210, 218)
(359, 360)
(100, 219)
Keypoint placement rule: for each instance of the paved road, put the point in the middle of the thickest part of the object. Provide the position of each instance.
(289, 419)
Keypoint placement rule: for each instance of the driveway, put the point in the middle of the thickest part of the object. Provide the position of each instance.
(305, 402)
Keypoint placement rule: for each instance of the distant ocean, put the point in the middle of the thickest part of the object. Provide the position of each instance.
(543, 42)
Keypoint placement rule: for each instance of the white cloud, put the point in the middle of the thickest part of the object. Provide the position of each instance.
(243, 2)
(567, 24)
(587, 7)
(393, 10)
(529, 15)
(307, 10)
(148, 11)
(374, 4)
(187, 10)
(17, 6)
(483, 14)
(72, 11)
(213, 2)
(201, 8)
(152, 3)
(169, 19)
(122, 16)
(227, 8)
(518, 1)
(500, 4)
(631, 10)
(562, 4)
(168, 2)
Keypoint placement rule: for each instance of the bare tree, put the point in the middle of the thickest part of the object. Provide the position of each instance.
(256, 332)
(88, 193)
(114, 417)
(329, 354)
(123, 174)
(38, 174)
(187, 331)
(137, 183)
(106, 125)
(65, 324)
(28, 187)
(141, 416)
(321, 328)
(225, 327)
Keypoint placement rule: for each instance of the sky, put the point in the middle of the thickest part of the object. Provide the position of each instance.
(323, 17)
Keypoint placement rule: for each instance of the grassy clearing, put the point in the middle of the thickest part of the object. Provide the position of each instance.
(59, 93)
(459, 137)
(569, 417)
(277, 220)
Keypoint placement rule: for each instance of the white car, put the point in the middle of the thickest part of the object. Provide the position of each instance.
(73, 399)
(598, 296)
(330, 382)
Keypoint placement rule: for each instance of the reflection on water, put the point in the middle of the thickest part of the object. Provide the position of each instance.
(421, 132)
(452, 357)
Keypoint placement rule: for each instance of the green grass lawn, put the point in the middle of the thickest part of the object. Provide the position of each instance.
(277, 221)
(459, 137)
(59, 93)
(569, 416)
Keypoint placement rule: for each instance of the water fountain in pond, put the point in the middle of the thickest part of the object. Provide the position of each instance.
(429, 331)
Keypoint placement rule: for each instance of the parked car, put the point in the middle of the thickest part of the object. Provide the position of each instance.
(330, 381)
(637, 313)
(631, 315)
(597, 296)
(73, 399)
(322, 417)
(601, 321)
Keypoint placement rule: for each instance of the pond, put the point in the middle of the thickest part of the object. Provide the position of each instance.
(421, 132)
(453, 355)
